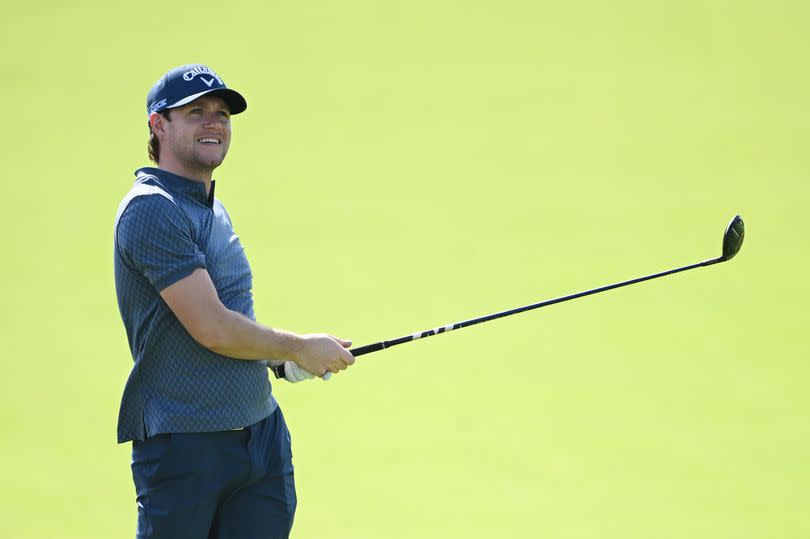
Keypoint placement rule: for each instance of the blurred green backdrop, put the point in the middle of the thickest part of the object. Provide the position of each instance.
(405, 164)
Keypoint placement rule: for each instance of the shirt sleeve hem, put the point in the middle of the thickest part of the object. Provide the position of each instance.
(179, 273)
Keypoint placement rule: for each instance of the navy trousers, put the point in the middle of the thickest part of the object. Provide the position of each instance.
(216, 485)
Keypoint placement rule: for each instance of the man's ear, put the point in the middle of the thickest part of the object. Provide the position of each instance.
(158, 124)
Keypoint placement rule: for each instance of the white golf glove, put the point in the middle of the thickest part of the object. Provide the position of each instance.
(293, 373)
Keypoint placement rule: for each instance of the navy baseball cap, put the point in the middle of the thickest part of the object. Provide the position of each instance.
(184, 84)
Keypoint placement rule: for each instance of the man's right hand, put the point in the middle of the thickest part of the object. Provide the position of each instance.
(321, 353)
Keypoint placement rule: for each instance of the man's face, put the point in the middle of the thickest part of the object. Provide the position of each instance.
(198, 135)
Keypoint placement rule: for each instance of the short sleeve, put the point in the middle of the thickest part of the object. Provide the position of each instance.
(154, 237)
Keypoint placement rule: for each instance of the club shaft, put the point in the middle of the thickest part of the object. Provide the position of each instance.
(382, 345)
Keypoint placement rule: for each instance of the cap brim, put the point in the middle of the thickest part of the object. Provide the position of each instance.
(234, 99)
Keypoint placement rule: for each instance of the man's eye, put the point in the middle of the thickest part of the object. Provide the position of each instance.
(195, 111)
(224, 114)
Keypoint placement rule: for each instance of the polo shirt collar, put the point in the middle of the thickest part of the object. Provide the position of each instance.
(190, 188)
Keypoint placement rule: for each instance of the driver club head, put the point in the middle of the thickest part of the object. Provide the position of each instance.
(733, 238)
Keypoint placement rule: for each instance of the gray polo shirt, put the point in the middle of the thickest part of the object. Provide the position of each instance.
(166, 227)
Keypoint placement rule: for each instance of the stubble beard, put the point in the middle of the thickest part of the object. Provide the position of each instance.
(201, 162)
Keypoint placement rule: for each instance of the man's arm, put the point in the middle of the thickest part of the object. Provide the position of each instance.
(194, 301)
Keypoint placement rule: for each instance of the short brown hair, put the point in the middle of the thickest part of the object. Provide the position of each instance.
(154, 144)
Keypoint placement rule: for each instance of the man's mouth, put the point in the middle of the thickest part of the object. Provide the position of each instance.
(208, 140)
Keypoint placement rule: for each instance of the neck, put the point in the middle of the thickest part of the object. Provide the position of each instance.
(202, 176)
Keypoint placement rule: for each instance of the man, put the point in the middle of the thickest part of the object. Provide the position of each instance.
(210, 450)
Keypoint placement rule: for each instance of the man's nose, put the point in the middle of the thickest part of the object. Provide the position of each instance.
(214, 119)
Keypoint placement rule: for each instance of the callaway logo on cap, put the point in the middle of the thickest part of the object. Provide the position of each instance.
(186, 83)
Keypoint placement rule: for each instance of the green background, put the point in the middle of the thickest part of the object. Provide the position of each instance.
(406, 164)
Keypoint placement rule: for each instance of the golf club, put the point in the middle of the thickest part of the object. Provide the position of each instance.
(732, 241)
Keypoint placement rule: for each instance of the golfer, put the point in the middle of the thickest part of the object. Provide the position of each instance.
(211, 453)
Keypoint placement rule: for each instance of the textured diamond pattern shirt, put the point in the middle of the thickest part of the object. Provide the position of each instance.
(166, 228)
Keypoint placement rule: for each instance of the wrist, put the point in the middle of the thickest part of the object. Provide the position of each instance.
(290, 345)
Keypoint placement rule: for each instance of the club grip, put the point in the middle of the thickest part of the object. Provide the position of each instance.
(367, 349)
(278, 370)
